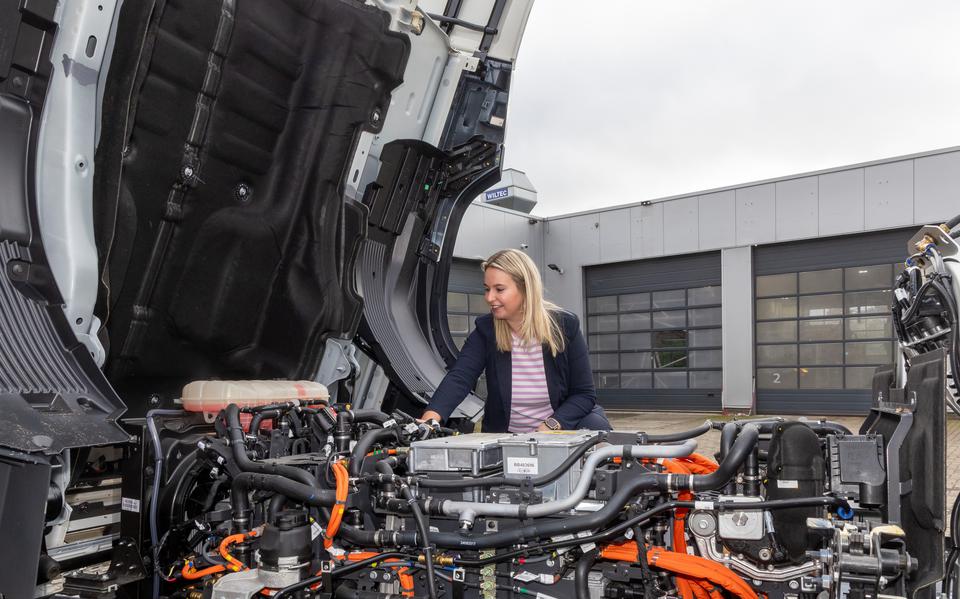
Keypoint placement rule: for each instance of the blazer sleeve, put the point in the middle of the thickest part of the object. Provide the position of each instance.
(462, 376)
(581, 395)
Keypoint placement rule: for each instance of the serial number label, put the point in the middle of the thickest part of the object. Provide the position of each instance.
(523, 466)
(129, 504)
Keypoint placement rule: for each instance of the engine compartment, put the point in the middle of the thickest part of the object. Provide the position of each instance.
(310, 499)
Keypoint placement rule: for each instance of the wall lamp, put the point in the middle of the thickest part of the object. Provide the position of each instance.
(555, 267)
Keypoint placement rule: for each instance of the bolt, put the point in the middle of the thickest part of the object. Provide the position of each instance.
(702, 524)
(375, 117)
(765, 554)
(740, 519)
(793, 584)
(373, 575)
(756, 582)
(187, 171)
(17, 269)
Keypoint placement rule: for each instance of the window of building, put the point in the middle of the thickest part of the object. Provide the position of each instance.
(667, 339)
(823, 329)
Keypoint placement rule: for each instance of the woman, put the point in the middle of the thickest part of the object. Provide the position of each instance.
(538, 370)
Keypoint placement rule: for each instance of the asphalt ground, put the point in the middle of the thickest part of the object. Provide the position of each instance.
(663, 422)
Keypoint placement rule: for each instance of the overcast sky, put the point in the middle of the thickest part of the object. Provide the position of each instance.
(619, 101)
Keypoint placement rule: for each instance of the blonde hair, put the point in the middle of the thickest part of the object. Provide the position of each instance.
(538, 321)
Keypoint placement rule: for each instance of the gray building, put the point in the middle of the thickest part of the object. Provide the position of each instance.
(769, 297)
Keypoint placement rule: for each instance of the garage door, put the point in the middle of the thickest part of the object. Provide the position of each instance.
(653, 328)
(823, 321)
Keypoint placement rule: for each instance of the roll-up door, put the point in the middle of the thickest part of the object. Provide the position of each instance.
(823, 321)
(653, 328)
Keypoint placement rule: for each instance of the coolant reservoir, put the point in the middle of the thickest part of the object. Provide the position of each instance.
(210, 397)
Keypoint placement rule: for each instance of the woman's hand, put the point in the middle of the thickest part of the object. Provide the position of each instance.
(431, 415)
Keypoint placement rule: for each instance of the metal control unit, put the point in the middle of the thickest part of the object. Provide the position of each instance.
(534, 454)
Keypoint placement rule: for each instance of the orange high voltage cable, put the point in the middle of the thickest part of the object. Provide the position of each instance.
(689, 566)
(235, 564)
(342, 478)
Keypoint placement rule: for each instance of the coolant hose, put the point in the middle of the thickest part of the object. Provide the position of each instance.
(680, 436)
(299, 492)
(374, 416)
(734, 458)
(362, 448)
(581, 575)
(231, 414)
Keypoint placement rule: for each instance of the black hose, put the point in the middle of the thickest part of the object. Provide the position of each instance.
(953, 222)
(374, 416)
(235, 432)
(259, 417)
(364, 444)
(288, 591)
(680, 436)
(737, 454)
(424, 531)
(496, 481)
(581, 575)
(282, 485)
(727, 436)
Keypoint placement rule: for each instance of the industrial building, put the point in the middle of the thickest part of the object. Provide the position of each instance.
(767, 297)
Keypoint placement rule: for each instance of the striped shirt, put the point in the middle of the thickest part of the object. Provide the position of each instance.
(530, 399)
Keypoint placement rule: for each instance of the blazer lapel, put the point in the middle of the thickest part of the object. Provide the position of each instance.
(552, 373)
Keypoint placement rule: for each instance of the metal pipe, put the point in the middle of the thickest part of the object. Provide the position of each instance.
(468, 510)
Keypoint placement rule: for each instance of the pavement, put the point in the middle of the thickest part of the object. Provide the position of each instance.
(660, 422)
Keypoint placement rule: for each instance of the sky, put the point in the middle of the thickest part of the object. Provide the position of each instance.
(619, 101)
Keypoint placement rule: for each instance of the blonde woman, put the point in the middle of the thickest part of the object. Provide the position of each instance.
(534, 355)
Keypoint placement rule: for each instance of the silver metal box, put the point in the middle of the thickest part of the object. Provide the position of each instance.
(535, 454)
(475, 453)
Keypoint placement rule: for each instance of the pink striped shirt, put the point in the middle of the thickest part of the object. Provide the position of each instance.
(530, 398)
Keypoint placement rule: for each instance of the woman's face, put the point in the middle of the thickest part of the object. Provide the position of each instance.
(503, 296)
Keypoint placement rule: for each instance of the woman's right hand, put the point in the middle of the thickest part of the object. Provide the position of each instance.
(431, 415)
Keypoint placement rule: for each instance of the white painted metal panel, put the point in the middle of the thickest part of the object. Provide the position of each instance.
(888, 195)
(585, 239)
(646, 231)
(841, 202)
(737, 333)
(797, 210)
(681, 225)
(718, 220)
(937, 188)
(756, 214)
(566, 289)
(615, 235)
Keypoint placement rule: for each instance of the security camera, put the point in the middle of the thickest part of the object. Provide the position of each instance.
(555, 267)
(524, 246)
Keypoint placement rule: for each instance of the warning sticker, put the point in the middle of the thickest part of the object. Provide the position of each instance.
(787, 484)
(523, 466)
(129, 504)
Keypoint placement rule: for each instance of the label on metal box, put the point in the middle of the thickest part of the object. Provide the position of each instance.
(129, 504)
(523, 466)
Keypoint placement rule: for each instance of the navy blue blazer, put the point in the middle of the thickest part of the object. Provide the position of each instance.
(569, 379)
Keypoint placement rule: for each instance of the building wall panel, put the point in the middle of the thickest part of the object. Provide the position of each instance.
(797, 209)
(646, 231)
(718, 220)
(681, 224)
(615, 235)
(841, 202)
(937, 188)
(756, 214)
(888, 195)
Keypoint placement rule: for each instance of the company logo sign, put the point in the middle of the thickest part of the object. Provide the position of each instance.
(496, 194)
